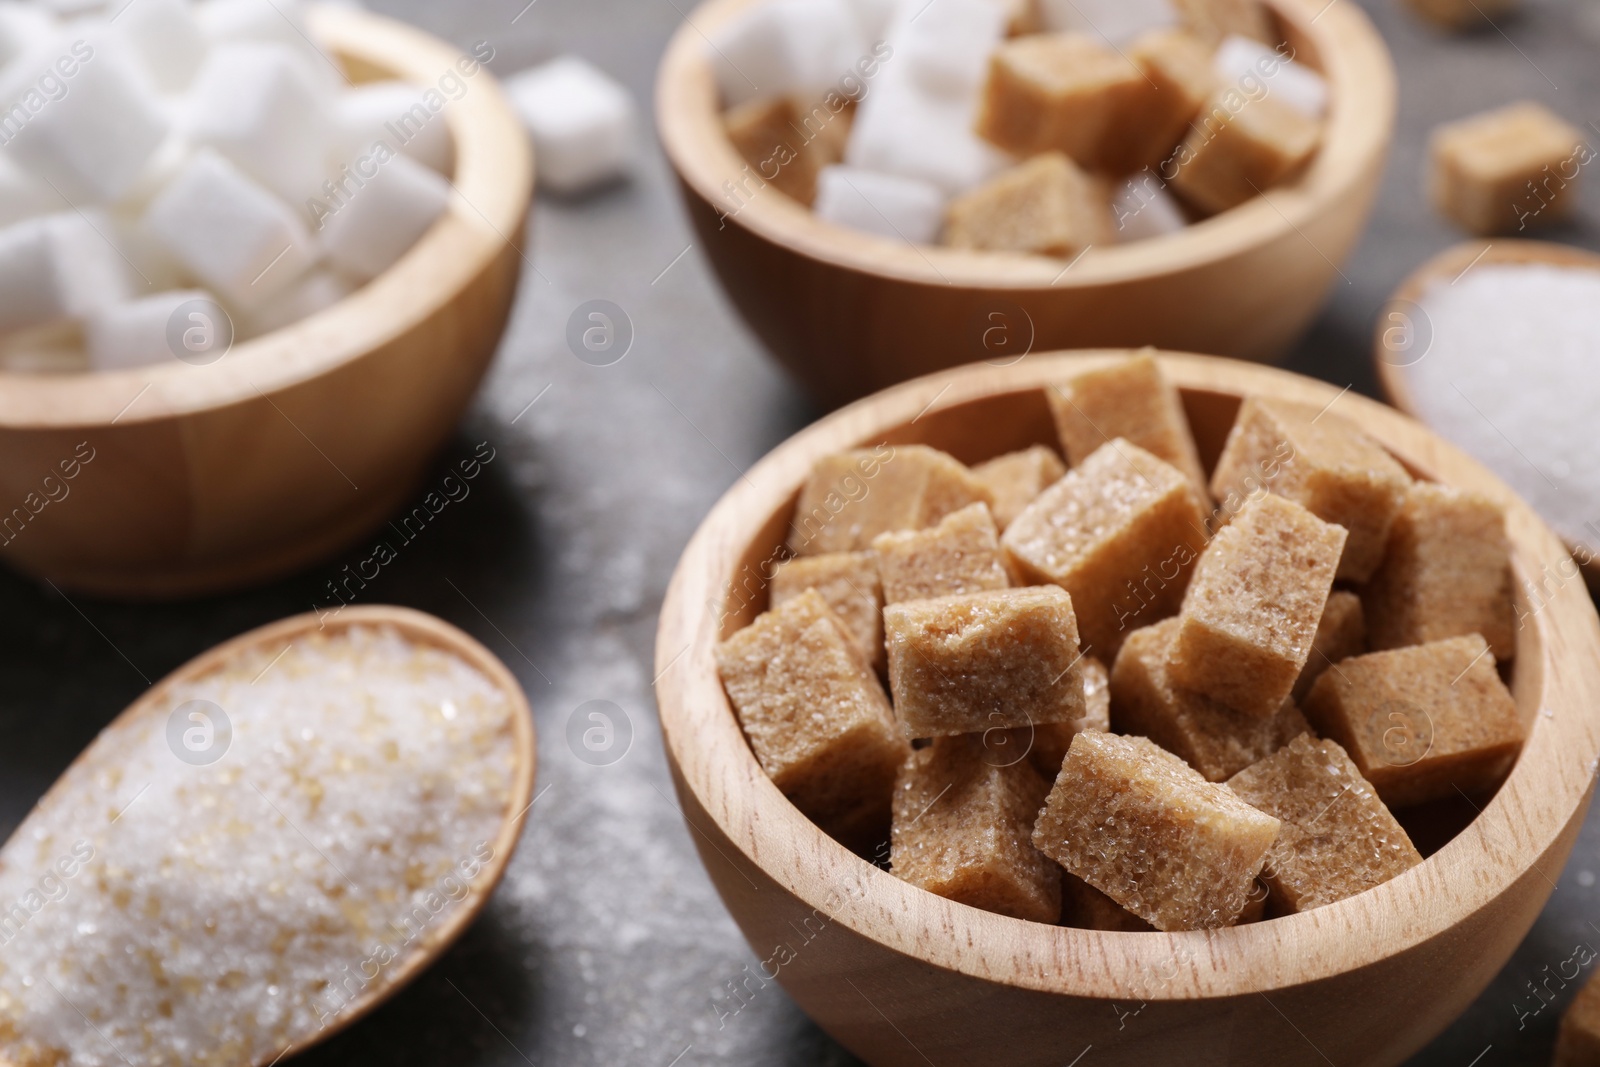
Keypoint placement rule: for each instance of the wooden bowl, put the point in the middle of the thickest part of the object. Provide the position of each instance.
(848, 313)
(902, 977)
(296, 443)
(1398, 334)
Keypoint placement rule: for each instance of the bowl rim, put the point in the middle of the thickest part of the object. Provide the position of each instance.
(491, 189)
(1518, 829)
(1359, 127)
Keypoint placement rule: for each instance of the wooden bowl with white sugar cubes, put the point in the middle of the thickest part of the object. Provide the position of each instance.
(887, 187)
(248, 282)
(1175, 707)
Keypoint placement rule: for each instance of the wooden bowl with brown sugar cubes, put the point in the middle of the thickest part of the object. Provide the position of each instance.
(1161, 705)
(887, 188)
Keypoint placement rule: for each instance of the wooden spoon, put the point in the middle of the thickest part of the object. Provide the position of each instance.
(449, 924)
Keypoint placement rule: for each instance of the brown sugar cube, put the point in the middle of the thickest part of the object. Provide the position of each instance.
(1086, 908)
(1447, 573)
(1341, 633)
(1141, 826)
(1046, 206)
(984, 661)
(1061, 92)
(852, 497)
(1178, 66)
(1462, 14)
(1015, 478)
(1578, 1040)
(1120, 532)
(1506, 170)
(1421, 722)
(1046, 744)
(959, 555)
(1211, 737)
(1338, 839)
(1253, 606)
(786, 145)
(848, 581)
(1322, 462)
(815, 714)
(1212, 20)
(1131, 399)
(1238, 148)
(963, 827)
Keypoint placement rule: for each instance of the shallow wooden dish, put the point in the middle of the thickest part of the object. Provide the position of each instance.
(423, 629)
(902, 977)
(1390, 356)
(848, 313)
(296, 443)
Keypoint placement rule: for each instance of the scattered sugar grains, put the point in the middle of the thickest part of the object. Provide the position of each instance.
(1509, 377)
(215, 913)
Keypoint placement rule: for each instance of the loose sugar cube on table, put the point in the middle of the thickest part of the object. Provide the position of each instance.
(1421, 722)
(888, 205)
(1338, 839)
(849, 582)
(786, 147)
(1209, 736)
(1322, 462)
(1047, 206)
(167, 38)
(1213, 20)
(1130, 399)
(383, 218)
(815, 714)
(852, 497)
(1046, 743)
(783, 47)
(1141, 826)
(260, 104)
(1016, 478)
(1061, 92)
(1251, 66)
(963, 828)
(581, 120)
(1120, 532)
(1447, 573)
(902, 129)
(1114, 22)
(1238, 148)
(138, 333)
(959, 555)
(982, 661)
(57, 267)
(1342, 633)
(1141, 208)
(1178, 67)
(394, 113)
(93, 142)
(1506, 170)
(1578, 1040)
(1086, 908)
(241, 241)
(1253, 606)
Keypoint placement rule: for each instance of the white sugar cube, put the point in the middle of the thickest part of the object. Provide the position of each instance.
(371, 226)
(22, 195)
(151, 329)
(872, 19)
(581, 122)
(317, 291)
(1141, 207)
(393, 112)
(281, 21)
(258, 104)
(74, 8)
(81, 116)
(1254, 67)
(166, 37)
(233, 235)
(152, 265)
(946, 44)
(900, 129)
(784, 47)
(1117, 22)
(57, 267)
(22, 27)
(884, 204)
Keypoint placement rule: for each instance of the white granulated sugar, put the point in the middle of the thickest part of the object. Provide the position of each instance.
(211, 915)
(1509, 376)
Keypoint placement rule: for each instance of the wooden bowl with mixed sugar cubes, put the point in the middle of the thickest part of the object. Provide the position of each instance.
(248, 282)
(887, 187)
(1161, 704)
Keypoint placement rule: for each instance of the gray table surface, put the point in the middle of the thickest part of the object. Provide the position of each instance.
(606, 943)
